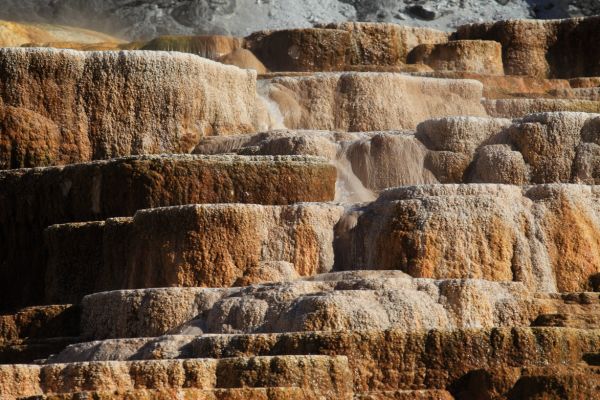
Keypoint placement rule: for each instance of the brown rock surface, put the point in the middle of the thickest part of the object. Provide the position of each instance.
(476, 56)
(429, 231)
(28, 139)
(238, 277)
(339, 47)
(327, 376)
(40, 322)
(98, 105)
(391, 360)
(212, 46)
(190, 246)
(288, 393)
(559, 147)
(101, 190)
(243, 58)
(378, 159)
(103, 46)
(301, 49)
(332, 302)
(370, 101)
(553, 49)
(384, 44)
(518, 108)
(35, 333)
(588, 82)
(539, 148)
(14, 34)
(506, 86)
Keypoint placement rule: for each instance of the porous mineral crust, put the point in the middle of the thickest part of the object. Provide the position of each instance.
(383, 212)
(359, 102)
(99, 105)
(33, 199)
(190, 246)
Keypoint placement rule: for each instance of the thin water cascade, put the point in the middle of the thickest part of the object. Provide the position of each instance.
(349, 188)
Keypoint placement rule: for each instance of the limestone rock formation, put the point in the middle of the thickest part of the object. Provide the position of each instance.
(477, 56)
(189, 246)
(332, 373)
(245, 59)
(375, 43)
(335, 302)
(508, 87)
(370, 101)
(208, 46)
(13, 34)
(108, 104)
(301, 49)
(340, 47)
(517, 108)
(557, 48)
(374, 212)
(429, 231)
(540, 148)
(369, 157)
(33, 199)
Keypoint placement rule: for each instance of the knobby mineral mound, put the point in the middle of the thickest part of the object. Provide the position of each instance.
(348, 211)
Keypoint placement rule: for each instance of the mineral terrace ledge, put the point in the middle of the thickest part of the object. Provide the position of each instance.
(33, 199)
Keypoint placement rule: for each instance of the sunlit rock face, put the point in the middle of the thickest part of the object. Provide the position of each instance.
(190, 246)
(99, 105)
(545, 236)
(359, 102)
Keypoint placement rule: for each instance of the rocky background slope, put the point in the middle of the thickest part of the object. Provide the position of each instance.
(133, 20)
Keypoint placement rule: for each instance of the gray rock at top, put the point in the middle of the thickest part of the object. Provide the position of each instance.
(142, 19)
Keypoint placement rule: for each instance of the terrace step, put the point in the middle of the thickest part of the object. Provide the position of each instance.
(33, 199)
(329, 376)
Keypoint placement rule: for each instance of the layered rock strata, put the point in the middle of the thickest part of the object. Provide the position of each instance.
(370, 101)
(323, 303)
(211, 46)
(554, 49)
(35, 333)
(545, 236)
(33, 199)
(332, 373)
(460, 262)
(190, 246)
(476, 56)
(338, 47)
(100, 105)
(15, 34)
(539, 148)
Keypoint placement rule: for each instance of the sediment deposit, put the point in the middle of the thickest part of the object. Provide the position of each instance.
(349, 211)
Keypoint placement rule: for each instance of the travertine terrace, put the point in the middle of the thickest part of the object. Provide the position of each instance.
(350, 211)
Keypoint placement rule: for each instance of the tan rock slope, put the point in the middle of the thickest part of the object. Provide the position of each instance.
(369, 211)
(429, 231)
(553, 49)
(13, 34)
